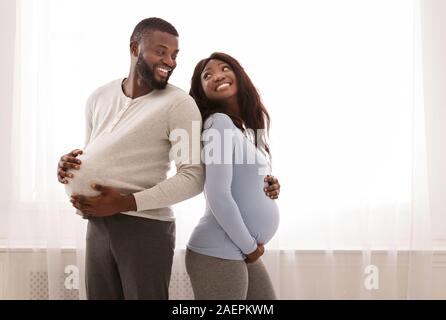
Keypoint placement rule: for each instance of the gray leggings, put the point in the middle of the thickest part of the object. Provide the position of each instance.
(221, 279)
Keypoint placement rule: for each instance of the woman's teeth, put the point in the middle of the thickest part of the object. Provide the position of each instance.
(222, 86)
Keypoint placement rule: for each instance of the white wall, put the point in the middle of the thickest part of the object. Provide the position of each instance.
(433, 22)
(7, 36)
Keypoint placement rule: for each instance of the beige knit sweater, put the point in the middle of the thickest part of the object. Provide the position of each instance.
(127, 146)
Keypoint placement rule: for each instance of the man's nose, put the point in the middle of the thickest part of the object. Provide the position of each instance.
(168, 61)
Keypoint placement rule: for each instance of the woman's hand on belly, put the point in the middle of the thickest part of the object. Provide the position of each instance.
(109, 202)
(253, 256)
(272, 187)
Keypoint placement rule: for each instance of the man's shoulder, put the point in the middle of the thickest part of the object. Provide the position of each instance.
(180, 105)
(106, 89)
(176, 94)
(180, 100)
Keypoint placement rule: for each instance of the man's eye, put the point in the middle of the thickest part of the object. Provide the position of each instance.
(159, 52)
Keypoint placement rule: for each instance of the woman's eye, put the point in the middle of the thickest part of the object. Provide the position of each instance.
(206, 76)
(225, 68)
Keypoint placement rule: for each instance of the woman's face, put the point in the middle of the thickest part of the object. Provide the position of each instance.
(218, 81)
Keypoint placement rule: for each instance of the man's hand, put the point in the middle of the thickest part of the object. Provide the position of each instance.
(253, 256)
(272, 187)
(108, 203)
(67, 162)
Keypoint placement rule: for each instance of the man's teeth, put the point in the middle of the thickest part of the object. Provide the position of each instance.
(163, 70)
(222, 86)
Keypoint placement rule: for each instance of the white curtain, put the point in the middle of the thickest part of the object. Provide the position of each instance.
(355, 140)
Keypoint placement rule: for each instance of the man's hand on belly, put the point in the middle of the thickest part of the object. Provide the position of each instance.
(108, 203)
(66, 163)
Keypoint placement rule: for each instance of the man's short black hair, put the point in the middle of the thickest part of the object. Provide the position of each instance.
(152, 24)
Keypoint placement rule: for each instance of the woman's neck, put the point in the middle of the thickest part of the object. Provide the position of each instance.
(231, 106)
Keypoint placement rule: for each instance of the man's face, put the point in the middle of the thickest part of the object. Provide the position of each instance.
(157, 58)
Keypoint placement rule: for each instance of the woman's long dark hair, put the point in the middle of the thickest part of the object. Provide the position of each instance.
(253, 114)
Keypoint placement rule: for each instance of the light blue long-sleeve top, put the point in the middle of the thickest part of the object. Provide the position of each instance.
(238, 214)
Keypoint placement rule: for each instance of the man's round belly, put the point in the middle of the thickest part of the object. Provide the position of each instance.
(90, 171)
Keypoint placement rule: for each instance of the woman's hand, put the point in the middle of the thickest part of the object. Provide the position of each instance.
(272, 187)
(256, 254)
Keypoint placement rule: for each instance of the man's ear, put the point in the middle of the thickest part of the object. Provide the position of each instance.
(134, 48)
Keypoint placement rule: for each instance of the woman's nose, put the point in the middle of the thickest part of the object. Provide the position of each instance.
(219, 77)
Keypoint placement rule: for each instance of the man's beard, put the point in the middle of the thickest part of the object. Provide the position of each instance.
(147, 75)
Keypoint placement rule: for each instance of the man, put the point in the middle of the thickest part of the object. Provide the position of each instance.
(130, 122)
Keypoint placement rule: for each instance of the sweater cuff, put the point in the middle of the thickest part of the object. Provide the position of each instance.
(252, 248)
(140, 200)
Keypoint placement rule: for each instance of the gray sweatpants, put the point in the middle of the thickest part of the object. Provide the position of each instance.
(220, 279)
(129, 257)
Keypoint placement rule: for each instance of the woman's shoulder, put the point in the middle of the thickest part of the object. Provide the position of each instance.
(218, 120)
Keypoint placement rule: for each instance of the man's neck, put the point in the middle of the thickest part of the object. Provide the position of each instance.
(134, 87)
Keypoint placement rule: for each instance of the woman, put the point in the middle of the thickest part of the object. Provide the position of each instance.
(223, 255)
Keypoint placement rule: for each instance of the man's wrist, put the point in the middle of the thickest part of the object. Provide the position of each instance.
(128, 203)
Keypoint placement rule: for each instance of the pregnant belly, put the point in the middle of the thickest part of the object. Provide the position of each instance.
(261, 218)
(91, 171)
